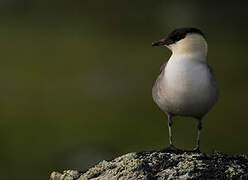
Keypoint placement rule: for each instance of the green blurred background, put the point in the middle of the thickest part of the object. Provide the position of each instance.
(76, 79)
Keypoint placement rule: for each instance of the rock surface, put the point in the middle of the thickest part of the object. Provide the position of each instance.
(162, 165)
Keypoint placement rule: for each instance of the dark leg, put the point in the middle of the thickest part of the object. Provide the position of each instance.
(170, 129)
(199, 127)
(171, 148)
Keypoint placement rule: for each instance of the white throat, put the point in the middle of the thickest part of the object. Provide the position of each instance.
(193, 45)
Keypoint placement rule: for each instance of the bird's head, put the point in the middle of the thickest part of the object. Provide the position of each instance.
(185, 41)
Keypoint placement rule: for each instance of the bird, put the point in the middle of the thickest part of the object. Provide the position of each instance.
(186, 85)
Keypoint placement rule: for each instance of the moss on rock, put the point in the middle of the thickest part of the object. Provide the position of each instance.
(164, 165)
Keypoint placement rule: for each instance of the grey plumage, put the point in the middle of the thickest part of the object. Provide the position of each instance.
(157, 89)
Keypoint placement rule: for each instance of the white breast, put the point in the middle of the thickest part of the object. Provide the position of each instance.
(185, 87)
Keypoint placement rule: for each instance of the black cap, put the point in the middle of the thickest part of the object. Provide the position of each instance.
(177, 35)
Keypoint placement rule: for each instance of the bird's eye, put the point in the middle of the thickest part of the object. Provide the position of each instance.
(178, 37)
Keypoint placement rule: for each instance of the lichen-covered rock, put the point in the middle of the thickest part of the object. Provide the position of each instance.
(163, 165)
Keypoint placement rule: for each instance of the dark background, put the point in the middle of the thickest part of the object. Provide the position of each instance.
(76, 79)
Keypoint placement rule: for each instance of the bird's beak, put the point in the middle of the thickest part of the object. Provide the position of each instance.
(159, 42)
(162, 42)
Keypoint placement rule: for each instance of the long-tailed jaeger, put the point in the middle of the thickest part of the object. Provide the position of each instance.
(186, 85)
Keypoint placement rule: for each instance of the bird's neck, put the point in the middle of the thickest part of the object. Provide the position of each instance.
(193, 45)
(197, 57)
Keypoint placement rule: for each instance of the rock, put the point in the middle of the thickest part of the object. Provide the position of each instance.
(165, 164)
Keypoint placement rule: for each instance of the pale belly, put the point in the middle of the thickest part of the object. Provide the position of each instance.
(185, 89)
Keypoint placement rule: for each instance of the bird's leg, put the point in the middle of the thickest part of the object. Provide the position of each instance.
(170, 129)
(171, 148)
(199, 127)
